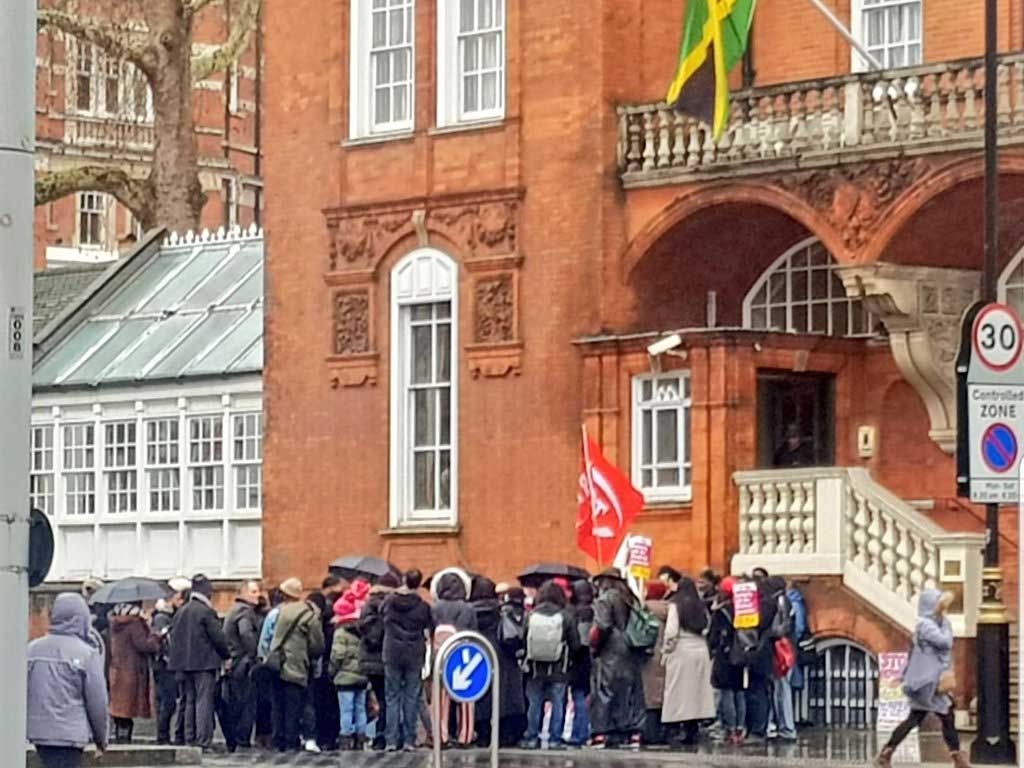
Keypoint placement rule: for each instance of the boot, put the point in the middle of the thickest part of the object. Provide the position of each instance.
(358, 743)
(346, 744)
(959, 759)
(884, 759)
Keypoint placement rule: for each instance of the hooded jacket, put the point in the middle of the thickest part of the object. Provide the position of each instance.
(371, 631)
(933, 639)
(242, 631)
(344, 667)
(406, 620)
(304, 644)
(451, 607)
(67, 693)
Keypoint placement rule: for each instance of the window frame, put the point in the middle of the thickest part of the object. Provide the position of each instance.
(858, 28)
(102, 70)
(213, 464)
(653, 494)
(42, 479)
(783, 265)
(362, 119)
(120, 476)
(451, 109)
(157, 469)
(425, 276)
(101, 212)
(83, 469)
(245, 468)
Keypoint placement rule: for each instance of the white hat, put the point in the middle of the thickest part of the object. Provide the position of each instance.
(180, 584)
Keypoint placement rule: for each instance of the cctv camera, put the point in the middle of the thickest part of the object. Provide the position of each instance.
(664, 344)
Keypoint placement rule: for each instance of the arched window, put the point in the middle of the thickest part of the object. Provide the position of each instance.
(840, 687)
(802, 293)
(424, 390)
(1011, 283)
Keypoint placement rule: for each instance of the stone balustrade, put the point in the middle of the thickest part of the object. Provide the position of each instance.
(839, 522)
(111, 134)
(815, 123)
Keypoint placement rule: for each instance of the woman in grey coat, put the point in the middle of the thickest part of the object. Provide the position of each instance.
(927, 681)
(67, 692)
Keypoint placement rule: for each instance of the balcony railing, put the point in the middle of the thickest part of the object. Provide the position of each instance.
(839, 522)
(816, 123)
(109, 134)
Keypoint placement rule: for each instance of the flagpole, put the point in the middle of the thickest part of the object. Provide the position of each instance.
(590, 488)
(832, 19)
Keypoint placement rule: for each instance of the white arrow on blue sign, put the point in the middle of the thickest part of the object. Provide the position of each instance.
(467, 672)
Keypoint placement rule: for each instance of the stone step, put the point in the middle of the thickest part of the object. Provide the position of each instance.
(133, 756)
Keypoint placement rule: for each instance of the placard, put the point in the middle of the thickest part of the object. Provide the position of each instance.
(746, 605)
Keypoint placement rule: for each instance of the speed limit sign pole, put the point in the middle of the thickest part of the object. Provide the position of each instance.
(990, 442)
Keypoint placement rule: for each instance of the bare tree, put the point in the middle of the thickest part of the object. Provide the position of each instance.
(156, 37)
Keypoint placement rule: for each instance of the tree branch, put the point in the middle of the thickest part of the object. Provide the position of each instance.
(195, 6)
(134, 193)
(223, 56)
(113, 42)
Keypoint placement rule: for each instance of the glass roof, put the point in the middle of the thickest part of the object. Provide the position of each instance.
(195, 309)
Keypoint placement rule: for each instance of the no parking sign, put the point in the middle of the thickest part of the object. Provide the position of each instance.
(991, 388)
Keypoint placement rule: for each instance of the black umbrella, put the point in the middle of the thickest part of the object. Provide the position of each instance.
(130, 590)
(538, 573)
(362, 567)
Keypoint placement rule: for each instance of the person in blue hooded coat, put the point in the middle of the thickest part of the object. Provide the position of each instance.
(927, 681)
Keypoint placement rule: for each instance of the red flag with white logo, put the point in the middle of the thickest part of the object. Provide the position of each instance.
(608, 503)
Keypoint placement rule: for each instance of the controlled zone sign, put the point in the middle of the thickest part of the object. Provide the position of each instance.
(467, 671)
(994, 407)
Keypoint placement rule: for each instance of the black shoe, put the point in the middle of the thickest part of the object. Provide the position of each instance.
(529, 744)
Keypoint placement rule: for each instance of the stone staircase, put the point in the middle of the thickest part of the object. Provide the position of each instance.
(838, 521)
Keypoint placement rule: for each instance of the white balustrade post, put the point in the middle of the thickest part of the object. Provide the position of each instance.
(830, 520)
(853, 118)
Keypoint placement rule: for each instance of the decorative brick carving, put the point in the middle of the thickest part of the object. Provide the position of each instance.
(853, 198)
(351, 322)
(358, 243)
(495, 309)
(484, 229)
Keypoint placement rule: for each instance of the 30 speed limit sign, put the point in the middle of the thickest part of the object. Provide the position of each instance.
(997, 337)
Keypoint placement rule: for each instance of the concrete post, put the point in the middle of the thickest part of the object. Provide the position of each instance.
(17, 140)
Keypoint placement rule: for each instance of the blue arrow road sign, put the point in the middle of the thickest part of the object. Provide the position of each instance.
(467, 672)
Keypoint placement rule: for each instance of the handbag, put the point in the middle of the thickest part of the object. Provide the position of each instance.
(275, 660)
(947, 683)
(784, 657)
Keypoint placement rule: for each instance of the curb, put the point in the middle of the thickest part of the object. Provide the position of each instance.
(134, 756)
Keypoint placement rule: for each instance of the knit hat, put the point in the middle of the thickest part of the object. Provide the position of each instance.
(347, 609)
(180, 584)
(291, 587)
(202, 585)
(726, 585)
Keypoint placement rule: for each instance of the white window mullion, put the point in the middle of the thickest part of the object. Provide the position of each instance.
(471, 61)
(185, 511)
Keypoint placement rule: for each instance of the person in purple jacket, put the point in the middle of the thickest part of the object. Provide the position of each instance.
(67, 692)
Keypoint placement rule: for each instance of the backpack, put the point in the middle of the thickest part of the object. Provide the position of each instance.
(510, 631)
(641, 628)
(583, 627)
(746, 648)
(371, 629)
(782, 623)
(545, 641)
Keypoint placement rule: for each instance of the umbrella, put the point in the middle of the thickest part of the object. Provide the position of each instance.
(538, 573)
(130, 591)
(362, 566)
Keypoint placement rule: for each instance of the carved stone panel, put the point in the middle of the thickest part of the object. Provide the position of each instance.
(483, 229)
(351, 322)
(359, 242)
(495, 309)
(853, 198)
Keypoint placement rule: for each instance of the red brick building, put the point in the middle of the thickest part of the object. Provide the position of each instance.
(489, 217)
(91, 109)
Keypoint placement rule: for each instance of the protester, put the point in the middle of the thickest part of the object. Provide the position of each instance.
(164, 680)
(132, 643)
(707, 586)
(551, 641)
(579, 664)
(654, 668)
(689, 698)
(371, 648)
(801, 633)
(782, 690)
(67, 693)
(321, 695)
(262, 676)
(407, 627)
(98, 611)
(298, 641)
(511, 650)
(759, 660)
(345, 669)
(928, 681)
(485, 604)
(242, 633)
(726, 677)
(452, 613)
(197, 651)
(617, 696)
(670, 577)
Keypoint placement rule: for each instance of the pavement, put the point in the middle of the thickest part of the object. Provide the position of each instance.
(815, 749)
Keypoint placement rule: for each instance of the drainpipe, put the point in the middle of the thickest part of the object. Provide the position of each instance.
(17, 144)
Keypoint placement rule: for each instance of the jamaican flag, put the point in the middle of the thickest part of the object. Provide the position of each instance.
(714, 39)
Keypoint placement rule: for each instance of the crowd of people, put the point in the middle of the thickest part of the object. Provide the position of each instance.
(581, 663)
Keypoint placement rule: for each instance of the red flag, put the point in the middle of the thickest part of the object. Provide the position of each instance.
(608, 503)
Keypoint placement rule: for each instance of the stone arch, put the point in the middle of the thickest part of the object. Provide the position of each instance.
(704, 197)
(931, 187)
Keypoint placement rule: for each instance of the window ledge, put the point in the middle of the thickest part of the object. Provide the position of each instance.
(666, 508)
(469, 125)
(378, 138)
(422, 530)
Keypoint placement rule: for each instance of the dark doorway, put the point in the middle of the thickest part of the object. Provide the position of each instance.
(796, 419)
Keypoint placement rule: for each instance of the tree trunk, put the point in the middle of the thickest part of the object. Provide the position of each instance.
(177, 193)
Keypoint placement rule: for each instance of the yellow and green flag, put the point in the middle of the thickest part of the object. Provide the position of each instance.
(715, 36)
